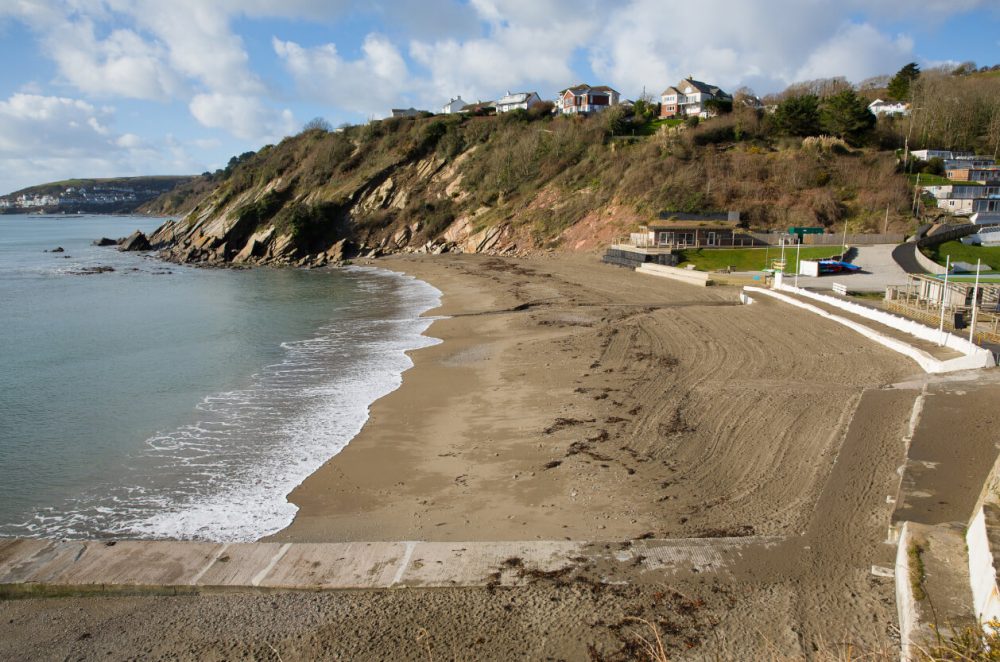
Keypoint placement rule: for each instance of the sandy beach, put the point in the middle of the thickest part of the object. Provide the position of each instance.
(572, 399)
(575, 400)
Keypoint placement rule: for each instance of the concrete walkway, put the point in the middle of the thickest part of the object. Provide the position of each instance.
(880, 270)
(31, 566)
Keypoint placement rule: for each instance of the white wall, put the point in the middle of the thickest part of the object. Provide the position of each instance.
(689, 276)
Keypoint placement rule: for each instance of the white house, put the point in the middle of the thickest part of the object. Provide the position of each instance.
(517, 100)
(453, 106)
(880, 107)
(928, 154)
(688, 98)
(584, 99)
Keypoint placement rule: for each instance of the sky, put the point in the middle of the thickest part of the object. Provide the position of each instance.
(100, 88)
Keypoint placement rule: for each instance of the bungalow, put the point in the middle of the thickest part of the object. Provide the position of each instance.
(584, 99)
(689, 97)
(928, 154)
(981, 175)
(405, 112)
(971, 162)
(453, 106)
(517, 100)
(880, 107)
(678, 230)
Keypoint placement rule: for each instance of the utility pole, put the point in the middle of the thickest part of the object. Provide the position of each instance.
(916, 193)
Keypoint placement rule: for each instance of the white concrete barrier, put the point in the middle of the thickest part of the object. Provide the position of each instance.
(982, 574)
(922, 358)
(975, 356)
(689, 276)
(809, 268)
(906, 604)
(927, 264)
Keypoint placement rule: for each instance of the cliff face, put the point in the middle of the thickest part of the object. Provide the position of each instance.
(501, 185)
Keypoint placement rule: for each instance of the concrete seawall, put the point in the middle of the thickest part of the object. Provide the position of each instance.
(33, 567)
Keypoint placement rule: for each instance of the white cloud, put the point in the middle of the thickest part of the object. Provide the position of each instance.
(368, 85)
(47, 138)
(129, 141)
(245, 117)
(45, 126)
(856, 52)
(529, 46)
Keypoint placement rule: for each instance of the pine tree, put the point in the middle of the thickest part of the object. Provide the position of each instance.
(798, 116)
(846, 116)
(899, 86)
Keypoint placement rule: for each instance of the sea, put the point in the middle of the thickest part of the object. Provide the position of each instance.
(157, 401)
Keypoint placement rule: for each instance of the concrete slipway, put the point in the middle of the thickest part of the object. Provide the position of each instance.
(31, 566)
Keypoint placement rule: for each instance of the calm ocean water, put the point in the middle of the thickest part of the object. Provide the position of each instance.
(159, 401)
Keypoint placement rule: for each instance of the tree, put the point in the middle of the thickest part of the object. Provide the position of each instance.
(899, 86)
(798, 115)
(645, 109)
(317, 124)
(846, 116)
(719, 106)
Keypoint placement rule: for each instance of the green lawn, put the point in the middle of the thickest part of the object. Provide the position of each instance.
(936, 180)
(959, 252)
(751, 259)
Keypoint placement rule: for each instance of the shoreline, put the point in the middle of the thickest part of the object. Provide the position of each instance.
(572, 400)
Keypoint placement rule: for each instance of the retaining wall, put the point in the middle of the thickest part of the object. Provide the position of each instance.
(927, 264)
(689, 276)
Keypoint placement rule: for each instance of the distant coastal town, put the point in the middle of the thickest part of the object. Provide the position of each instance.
(121, 195)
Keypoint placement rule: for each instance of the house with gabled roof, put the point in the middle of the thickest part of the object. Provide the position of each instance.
(689, 97)
(584, 99)
(453, 106)
(517, 101)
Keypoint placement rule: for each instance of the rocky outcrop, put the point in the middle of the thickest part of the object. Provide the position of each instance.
(104, 241)
(137, 241)
(405, 205)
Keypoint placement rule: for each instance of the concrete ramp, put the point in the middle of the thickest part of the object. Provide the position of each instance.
(30, 566)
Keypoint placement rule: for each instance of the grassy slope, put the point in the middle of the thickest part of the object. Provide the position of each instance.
(959, 252)
(551, 176)
(752, 259)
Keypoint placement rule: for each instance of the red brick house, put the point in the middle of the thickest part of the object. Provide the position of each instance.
(584, 99)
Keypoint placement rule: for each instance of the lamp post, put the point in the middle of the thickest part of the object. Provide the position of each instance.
(798, 262)
(975, 297)
(944, 290)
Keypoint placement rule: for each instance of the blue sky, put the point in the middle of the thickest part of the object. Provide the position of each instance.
(129, 87)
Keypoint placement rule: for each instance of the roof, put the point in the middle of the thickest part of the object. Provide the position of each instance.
(703, 87)
(694, 224)
(583, 88)
(516, 97)
(670, 90)
(683, 216)
(478, 106)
